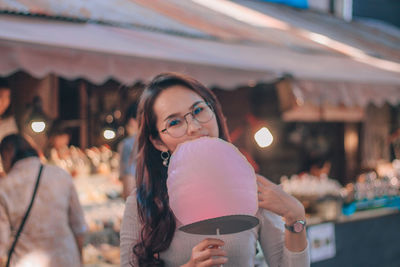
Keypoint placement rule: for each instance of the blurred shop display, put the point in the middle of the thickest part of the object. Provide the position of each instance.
(326, 199)
(312, 187)
(100, 196)
(103, 256)
(103, 160)
(102, 241)
(303, 4)
(321, 196)
(374, 190)
(78, 162)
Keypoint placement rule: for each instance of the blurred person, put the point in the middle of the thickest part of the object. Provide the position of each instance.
(57, 148)
(60, 152)
(59, 137)
(317, 166)
(54, 230)
(7, 121)
(126, 151)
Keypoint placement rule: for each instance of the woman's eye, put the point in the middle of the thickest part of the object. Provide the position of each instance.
(197, 110)
(174, 122)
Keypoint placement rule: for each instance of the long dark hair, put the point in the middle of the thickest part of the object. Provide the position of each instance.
(19, 146)
(158, 221)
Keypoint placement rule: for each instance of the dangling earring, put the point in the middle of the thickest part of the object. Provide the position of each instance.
(165, 158)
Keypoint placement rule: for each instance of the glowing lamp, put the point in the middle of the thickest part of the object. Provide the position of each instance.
(38, 126)
(263, 137)
(109, 134)
(37, 120)
(212, 187)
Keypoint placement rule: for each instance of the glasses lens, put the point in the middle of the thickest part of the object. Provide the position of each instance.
(176, 126)
(202, 112)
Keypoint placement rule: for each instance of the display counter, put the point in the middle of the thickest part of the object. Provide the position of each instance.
(365, 238)
(103, 209)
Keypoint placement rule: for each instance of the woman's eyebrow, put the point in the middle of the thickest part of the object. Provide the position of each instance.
(177, 114)
(195, 104)
(171, 116)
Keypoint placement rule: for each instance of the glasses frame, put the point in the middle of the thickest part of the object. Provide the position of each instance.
(165, 130)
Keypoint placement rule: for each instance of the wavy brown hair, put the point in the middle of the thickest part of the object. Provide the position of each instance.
(18, 146)
(158, 221)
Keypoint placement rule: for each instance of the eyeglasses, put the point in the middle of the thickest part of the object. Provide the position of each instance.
(177, 126)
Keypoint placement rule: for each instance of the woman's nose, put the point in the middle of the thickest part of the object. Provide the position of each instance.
(192, 125)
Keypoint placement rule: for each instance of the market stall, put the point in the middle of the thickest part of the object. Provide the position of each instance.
(95, 174)
(366, 238)
(356, 225)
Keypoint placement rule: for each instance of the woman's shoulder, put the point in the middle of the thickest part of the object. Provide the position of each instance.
(56, 170)
(131, 201)
(57, 173)
(5, 184)
(20, 176)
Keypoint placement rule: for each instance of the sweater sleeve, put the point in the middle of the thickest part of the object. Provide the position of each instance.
(76, 216)
(130, 232)
(5, 233)
(272, 241)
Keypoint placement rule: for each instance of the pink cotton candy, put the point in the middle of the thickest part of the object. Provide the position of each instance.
(210, 178)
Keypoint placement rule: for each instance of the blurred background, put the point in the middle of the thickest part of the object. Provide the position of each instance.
(310, 89)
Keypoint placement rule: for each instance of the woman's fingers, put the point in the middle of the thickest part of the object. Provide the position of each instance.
(261, 197)
(261, 189)
(209, 242)
(264, 181)
(214, 262)
(209, 253)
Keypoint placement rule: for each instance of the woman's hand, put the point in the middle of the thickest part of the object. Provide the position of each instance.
(271, 197)
(207, 253)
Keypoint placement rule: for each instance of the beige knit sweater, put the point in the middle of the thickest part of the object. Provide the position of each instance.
(241, 247)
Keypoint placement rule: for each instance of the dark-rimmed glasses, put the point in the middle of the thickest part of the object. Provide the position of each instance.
(177, 126)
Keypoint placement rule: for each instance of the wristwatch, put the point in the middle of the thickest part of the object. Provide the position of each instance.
(296, 227)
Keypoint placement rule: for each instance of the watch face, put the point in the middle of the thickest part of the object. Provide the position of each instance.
(298, 227)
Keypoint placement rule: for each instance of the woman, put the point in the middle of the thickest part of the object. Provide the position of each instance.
(171, 112)
(53, 232)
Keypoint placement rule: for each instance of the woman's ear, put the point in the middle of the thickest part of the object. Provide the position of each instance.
(158, 144)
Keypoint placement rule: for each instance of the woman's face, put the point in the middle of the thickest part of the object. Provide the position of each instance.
(179, 101)
(5, 95)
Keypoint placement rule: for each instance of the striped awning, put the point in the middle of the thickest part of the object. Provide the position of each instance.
(307, 100)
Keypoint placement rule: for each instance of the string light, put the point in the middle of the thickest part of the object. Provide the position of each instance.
(109, 134)
(263, 137)
(38, 126)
